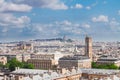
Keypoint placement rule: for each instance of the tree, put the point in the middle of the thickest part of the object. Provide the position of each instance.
(15, 63)
(28, 66)
(112, 66)
(1, 66)
(104, 66)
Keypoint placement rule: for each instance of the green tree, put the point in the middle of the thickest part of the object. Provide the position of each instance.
(15, 63)
(112, 66)
(104, 66)
(2, 66)
(28, 66)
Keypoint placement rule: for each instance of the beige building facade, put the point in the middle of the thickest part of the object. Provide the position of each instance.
(81, 63)
(108, 61)
(3, 60)
(19, 57)
(45, 60)
(42, 63)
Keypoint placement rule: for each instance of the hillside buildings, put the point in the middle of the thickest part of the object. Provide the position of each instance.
(74, 64)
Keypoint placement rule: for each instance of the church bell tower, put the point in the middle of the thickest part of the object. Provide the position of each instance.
(88, 47)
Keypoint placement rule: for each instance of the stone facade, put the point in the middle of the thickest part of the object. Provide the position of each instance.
(88, 47)
(75, 63)
(108, 61)
(3, 60)
(42, 63)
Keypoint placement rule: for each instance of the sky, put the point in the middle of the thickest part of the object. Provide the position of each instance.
(41, 19)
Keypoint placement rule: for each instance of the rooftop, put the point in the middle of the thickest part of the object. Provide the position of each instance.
(73, 57)
(29, 71)
(81, 70)
(100, 71)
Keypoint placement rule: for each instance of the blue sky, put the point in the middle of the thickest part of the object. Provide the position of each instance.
(36, 19)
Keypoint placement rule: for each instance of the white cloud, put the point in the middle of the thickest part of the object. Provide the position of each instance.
(56, 6)
(45, 30)
(79, 6)
(118, 12)
(100, 18)
(69, 24)
(91, 5)
(88, 7)
(86, 25)
(114, 23)
(51, 4)
(65, 23)
(9, 6)
(9, 20)
(14, 7)
(60, 27)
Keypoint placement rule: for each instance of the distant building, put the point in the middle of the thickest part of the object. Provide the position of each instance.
(75, 61)
(3, 60)
(42, 63)
(65, 74)
(78, 61)
(45, 60)
(25, 46)
(11, 56)
(108, 60)
(95, 57)
(25, 57)
(19, 57)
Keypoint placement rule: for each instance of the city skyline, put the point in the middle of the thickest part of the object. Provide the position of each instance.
(40, 19)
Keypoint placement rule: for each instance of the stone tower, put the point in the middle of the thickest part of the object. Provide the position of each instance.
(88, 47)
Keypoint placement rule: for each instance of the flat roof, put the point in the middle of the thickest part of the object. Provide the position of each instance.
(29, 71)
(74, 57)
(100, 71)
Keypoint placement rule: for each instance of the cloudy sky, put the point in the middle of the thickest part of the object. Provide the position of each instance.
(36, 19)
